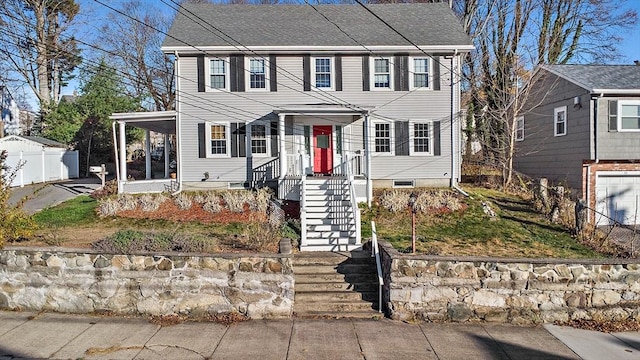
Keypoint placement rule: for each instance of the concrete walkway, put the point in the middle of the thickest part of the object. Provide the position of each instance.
(42, 196)
(62, 336)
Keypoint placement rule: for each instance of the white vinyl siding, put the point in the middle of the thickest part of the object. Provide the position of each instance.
(381, 73)
(629, 115)
(560, 121)
(323, 73)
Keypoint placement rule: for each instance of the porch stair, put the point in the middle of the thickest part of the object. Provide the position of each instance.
(329, 215)
(335, 285)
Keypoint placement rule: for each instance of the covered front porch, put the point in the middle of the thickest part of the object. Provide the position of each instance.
(162, 122)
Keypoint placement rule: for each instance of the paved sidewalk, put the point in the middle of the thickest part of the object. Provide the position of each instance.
(41, 196)
(62, 336)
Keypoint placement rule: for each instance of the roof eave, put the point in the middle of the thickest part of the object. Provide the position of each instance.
(617, 91)
(182, 49)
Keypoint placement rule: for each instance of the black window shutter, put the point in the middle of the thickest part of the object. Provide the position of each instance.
(338, 66)
(273, 73)
(201, 81)
(436, 72)
(274, 139)
(236, 72)
(402, 138)
(401, 73)
(406, 77)
(202, 146)
(365, 73)
(234, 139)
(613, 115)
(306, 72)
(436, 138)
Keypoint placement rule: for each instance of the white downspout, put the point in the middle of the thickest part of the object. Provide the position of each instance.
(178, 126)
(454, 154)
(367, 153)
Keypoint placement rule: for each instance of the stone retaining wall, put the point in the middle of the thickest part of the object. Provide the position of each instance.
(81, 281)
(520, 291)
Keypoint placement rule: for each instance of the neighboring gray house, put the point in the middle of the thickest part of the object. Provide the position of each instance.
(581, 127)
(9, 113)
(323, 103)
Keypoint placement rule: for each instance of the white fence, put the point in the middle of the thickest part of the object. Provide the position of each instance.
(43, 166)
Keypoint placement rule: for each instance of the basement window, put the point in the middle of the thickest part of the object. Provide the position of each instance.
(404, 184)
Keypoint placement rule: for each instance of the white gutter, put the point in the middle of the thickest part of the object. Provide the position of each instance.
(178, 126)
(316, 49)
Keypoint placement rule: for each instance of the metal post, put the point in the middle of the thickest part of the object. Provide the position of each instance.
(412, 206)
(147, 154)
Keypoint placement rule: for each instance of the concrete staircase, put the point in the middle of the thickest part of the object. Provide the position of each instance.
(329, 215)
(336, 285)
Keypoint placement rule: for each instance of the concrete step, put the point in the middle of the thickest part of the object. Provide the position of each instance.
(342, 269)
(352, 247)
(332, 306)
(333, 278)
(336, 286)
(366, 314)
(331, 258)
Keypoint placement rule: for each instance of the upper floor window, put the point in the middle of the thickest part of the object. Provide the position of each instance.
(323, 73)
(629, 115)
(560, 121)
(382, 136)
(218, 74)
(217, 140)
(257, 79)
(259, 143)
(520, 128)
(382, 74)
(420, 70)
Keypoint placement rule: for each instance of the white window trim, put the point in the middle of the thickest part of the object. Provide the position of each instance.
(207, 72)
(412, 73)
(227, 130)
(247, 81)
(392, 134)
(267, 133)
(372, 73)
(556, 111)
(313, 73)
(619, 120)
(519, 122)
(412, 152)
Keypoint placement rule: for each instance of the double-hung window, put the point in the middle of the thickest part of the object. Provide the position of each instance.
(218, 140)
(520, 128)
(218, 74)
(258, 68)
(259, 143)
(560, 121)
(382, 137)
(419, 69)
(323, 73)
(629, 115)
(382, 74)
(420, 138)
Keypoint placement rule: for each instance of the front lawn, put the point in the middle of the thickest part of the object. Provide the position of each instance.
(516, 231)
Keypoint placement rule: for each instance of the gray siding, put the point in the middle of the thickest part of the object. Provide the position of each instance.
(197, 107)
(542, 154)
(614, 145)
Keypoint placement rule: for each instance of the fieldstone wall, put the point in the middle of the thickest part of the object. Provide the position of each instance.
(82, 281)
(519, 291)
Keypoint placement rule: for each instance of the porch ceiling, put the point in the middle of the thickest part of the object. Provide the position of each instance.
(323, 109)
(163, 122)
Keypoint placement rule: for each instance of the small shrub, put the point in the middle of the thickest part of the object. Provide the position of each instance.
(110, 188)
(127, 202)
(15, 224)
(183, 201)
(212, 203)
(394, 200)
(108, 207)
(235, 200)
(128, 241)
(200, 197)
(260, 201)
(150, 202)
(260, 237)
(450, 201)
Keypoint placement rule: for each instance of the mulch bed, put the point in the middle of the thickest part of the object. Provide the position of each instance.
(170, 212)
(604, 326)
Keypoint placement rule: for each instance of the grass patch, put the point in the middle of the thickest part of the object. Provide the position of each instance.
(517, 231)
(77, 211)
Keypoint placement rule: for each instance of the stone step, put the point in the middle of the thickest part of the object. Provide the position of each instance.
(341, 269)
(332, 306)
(336, 286)
(366, 314)
(334, 278)
(334, 296)
(329, 258)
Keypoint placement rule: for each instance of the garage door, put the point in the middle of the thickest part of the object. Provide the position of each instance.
(617, 198)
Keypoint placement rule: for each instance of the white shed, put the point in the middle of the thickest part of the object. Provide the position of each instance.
(42, 159)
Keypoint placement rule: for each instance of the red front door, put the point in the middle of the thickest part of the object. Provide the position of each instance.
(322, 149)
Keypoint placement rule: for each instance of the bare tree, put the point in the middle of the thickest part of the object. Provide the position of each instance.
(134, 44)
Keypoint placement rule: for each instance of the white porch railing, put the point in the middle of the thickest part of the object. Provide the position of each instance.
(347, 168)
(297, 164)
(303, 205)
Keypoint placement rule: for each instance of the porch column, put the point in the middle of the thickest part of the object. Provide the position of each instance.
(147, 154)
(367, 156)
(167, 152)
(283, 147)
(123, 151)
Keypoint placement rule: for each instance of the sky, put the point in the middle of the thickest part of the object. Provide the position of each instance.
(92, 14)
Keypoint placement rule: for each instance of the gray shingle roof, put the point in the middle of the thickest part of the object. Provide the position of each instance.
(600, 77)
(301, 25)
(44, 141)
